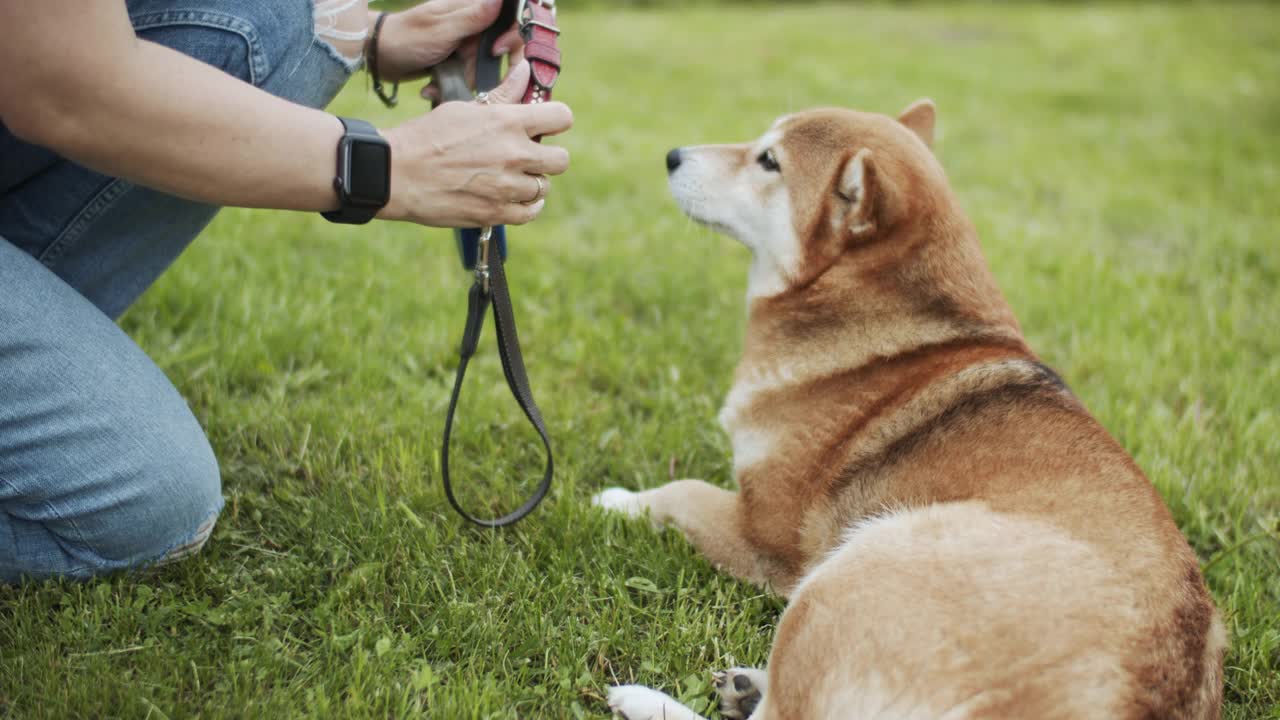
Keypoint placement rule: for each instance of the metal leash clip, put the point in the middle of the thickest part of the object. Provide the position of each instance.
(482, 263)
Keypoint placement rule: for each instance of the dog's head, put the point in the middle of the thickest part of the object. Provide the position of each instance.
(815, 185)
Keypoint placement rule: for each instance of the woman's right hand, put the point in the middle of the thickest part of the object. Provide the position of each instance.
(468, 164)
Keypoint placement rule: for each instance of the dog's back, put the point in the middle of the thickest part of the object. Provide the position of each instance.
(1055, 586)
(958, 611)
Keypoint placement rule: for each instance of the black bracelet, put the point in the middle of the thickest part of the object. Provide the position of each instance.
(371, 58)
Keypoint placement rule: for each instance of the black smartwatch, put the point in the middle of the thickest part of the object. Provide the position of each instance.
(363, 182)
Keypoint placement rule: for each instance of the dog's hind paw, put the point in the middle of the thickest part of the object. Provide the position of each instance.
(636, 702)
(619, 500)
(740, 691)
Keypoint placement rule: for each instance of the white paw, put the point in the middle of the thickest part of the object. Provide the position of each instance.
(619, 500)
(636, 702)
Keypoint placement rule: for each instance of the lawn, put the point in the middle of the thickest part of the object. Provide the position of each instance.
(1121, 164)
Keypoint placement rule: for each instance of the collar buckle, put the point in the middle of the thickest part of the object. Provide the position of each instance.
(528, 20)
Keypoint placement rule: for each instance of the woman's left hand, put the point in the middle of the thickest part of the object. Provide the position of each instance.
(414, 40)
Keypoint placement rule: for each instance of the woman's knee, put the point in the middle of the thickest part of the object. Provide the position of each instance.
(166, 496)
(155, 501)
(103, 466)
(179, 501)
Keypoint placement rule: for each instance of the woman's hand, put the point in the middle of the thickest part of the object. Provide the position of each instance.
(467, 164)
(414, 40)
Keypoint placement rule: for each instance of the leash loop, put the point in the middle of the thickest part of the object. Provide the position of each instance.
(479, 300)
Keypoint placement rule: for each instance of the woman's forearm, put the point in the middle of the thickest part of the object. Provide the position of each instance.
(137, 110)
(78, 80)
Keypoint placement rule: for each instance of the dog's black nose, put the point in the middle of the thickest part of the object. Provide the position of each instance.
(673, 160)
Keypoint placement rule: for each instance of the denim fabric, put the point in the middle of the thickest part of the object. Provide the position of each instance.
(111, 239)
(102, 465)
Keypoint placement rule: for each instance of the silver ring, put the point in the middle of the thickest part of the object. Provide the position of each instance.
(538, 195)
(482, 98)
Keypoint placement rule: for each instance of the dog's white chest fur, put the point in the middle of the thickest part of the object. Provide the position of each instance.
(752, 439)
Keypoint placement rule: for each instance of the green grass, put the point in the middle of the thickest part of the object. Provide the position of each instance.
(1121, 165)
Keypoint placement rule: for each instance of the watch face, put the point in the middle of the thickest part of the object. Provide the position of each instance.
(370, 170)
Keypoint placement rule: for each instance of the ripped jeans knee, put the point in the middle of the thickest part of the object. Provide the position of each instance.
(344, 25)
(301, 50)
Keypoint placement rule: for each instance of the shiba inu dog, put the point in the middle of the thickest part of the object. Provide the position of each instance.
(956, 536)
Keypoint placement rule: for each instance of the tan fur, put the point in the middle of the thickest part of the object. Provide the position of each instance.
(957, 535)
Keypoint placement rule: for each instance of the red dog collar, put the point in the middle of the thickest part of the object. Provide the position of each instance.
(537, 19)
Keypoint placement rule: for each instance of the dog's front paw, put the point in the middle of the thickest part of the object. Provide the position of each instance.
(740, 691)
(636, 702)
(619, 500)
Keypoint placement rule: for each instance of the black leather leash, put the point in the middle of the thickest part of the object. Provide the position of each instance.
(490, 290)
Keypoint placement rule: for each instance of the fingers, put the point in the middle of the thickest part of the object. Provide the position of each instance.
(469, 50)
(444, 7)
(523, 199)
(516, 58)
(507, 42)
(510, 188)
(479, 213)
(522, 188)
(532, 189)
(511, 90)
(542, 188)
(470, 18)
(550, 118)
(518, 213)
(544, 160)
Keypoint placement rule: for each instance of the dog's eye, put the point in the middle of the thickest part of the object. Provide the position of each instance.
(768, 161)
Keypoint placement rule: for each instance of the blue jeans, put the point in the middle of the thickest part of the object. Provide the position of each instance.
(102, 464)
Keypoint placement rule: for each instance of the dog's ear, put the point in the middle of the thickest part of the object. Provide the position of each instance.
(860, 188)
(920, 117)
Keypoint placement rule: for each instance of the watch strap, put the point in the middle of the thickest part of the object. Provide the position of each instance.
(356, 126)
(352, 214)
